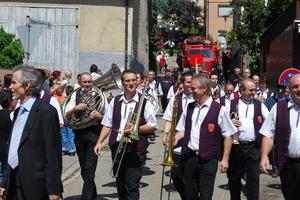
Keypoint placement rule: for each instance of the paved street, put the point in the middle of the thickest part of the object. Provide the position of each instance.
(151, 181)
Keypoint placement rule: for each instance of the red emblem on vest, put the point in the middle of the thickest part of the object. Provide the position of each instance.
(260, 119)
(211, 128)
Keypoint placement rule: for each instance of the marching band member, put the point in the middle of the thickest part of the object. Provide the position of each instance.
(201, 128)
(216, 89)
(85, 138)
(282, 129)
(114, 126)
(245, 155)
(229, 95)
(184, 97)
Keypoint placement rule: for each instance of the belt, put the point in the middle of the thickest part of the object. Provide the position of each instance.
(246, 143)
(293, 160)
(193, 152)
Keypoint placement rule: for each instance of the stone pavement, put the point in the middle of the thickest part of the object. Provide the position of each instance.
(151, 181)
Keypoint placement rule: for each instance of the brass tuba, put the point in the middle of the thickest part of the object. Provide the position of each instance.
(95, 98)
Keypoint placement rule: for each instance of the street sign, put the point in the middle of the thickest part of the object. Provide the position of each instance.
(287, 74)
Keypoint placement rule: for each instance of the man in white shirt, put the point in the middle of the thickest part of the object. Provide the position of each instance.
(183, 97)
(116, 125)
(248, 115)
(282, 127)
(202, 127)
(85, 138)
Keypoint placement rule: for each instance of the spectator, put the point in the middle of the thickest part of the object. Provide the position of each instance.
(94, 72)
(68, 145)
(5, 126)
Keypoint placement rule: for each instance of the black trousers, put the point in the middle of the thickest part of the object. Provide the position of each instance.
(199, 177)
(290, 179)
(177, 175)
(164, 102)
(14, 188)
(244, 159)
(130, 173)
(85, 143)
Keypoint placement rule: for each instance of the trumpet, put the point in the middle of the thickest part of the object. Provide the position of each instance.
(234, 115)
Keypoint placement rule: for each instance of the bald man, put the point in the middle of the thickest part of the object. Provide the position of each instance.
(282, 127)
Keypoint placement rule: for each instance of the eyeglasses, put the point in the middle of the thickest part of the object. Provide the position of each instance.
(86, 81)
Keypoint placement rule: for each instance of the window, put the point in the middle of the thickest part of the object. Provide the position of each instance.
(224, 10)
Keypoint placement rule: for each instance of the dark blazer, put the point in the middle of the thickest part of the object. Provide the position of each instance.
(40, 159)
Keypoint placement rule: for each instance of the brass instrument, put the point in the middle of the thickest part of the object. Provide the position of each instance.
(95, 98)
(235, 115)
(168, 161)
(217, 93)
(136, 117)
(118, 158)
(133, 119)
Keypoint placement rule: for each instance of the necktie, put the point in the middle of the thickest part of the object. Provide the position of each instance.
(13, 160)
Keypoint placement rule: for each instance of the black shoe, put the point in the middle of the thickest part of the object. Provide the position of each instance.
(65, 153)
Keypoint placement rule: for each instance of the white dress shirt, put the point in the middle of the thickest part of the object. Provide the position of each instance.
(126, 108)
(226, 126)
(56, 105)
(153, 90)
(170, 92)
(268, 128)
(246, 115)
(186, 99)
(227, 100)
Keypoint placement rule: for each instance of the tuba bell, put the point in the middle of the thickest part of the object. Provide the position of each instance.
(95, 98)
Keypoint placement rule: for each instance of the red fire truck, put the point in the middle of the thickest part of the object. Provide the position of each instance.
(201, 52)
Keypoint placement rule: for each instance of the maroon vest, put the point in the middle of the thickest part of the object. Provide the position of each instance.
(257, 119)
(46, 97)
(77, 97)
(179, 111)
(222, 99)
(210, 140)
(282, 133)
(140, 145)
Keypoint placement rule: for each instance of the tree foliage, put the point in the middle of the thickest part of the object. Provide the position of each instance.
(11, 51)
(254, 17)
(250, 28)
(275, 9)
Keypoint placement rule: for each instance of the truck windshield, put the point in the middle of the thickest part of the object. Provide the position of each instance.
(204, 52)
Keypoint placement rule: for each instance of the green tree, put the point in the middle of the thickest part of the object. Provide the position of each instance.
(250, 28)
(275, 9)
(11, 51)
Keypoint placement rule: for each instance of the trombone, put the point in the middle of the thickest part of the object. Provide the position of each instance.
(132, 120)
(168, 161)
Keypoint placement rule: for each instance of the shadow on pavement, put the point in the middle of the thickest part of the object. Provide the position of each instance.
(99, 197)
(275, 186)
(111, 184)
(169, 187)
(147, 171)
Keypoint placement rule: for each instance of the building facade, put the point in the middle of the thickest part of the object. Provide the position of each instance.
(73, 34)
(219, 17)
